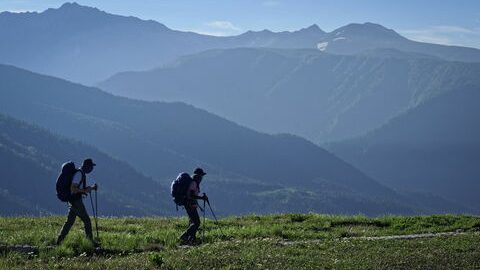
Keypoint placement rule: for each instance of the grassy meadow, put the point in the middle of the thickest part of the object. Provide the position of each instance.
(284, 241)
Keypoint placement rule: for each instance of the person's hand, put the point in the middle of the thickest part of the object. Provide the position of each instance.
(204, 197)
(95, 186)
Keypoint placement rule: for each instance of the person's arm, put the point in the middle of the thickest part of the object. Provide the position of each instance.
(75, 187)
(193, 191)
(196, 197)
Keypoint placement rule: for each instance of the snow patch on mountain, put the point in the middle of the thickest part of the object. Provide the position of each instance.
(322, 46)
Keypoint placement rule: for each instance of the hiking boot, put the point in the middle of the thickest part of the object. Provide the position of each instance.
(190, 241)
(58, 242)
(184, 242)
(96, 244)
(196, 242)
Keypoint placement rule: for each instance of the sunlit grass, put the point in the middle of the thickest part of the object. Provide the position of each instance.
(248, 242)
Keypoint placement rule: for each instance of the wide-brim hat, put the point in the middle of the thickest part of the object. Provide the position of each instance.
(88, 163)
(199, 171)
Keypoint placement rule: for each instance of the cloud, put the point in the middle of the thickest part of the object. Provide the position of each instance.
(445, 34)
(220, 28)
(212, 33)
(431, 39)
(224, 25)
(440, 29)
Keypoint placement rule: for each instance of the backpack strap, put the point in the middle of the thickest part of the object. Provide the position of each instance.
(83, 180)
(187, 188)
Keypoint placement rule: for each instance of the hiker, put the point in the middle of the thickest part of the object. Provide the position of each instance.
(71, 187)
(189, 201)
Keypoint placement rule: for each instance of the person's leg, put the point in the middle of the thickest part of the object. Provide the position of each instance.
(68, 224)
(184, 236)
(194, 224)
(83, 215)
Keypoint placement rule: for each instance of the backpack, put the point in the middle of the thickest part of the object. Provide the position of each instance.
(179, 188)
(64, 182)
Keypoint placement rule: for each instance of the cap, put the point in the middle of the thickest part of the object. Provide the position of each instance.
(88, 162)
(199, 171)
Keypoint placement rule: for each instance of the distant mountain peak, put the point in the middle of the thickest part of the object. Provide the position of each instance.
(73, 8)
(366, 25)
(368, 28)
(92, 15)
(70, 5)
(263, 32)
(312, 29)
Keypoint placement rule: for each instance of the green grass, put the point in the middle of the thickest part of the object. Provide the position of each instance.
(250, 242)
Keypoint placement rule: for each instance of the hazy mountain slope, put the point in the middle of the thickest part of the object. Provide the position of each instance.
(31, 159)
(86, 45)
(354, 38)
(11, 205)
(303, 38)
(318, 96)
(162, 139)
(434, 147)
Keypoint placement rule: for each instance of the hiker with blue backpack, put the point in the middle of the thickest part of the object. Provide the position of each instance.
(71, 187)
(185, 191)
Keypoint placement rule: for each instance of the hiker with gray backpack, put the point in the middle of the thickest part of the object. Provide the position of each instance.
(185, 191)
(71, 187)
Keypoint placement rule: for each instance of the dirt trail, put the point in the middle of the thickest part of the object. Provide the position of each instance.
(411, 236)
(34, 250)
(386, 237)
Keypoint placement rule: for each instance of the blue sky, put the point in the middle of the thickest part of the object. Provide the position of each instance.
(455, 22)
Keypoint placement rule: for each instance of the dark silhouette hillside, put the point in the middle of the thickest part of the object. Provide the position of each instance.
(434, 147)
(319, 96)
(31, 159)
(162, 139)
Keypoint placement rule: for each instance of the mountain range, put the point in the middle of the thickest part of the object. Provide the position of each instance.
(248, 171)
(398, 117)
(87, 45)
(319, 96)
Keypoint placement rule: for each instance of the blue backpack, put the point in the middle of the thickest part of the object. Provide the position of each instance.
(64, 182)
(179, 187)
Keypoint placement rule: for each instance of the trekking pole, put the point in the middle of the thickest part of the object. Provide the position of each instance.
(211, 210)
(96, 214)
(204, 224)
(215, 217)
(91, 203)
